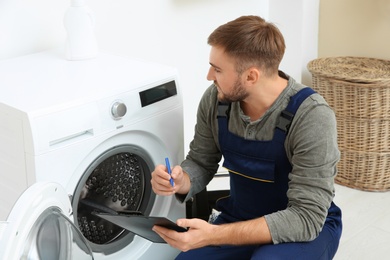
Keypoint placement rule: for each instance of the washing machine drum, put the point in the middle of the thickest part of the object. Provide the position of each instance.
(117, 181)
(40, 227)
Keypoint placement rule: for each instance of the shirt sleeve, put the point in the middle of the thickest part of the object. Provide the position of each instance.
(312, 149)
(202, 160)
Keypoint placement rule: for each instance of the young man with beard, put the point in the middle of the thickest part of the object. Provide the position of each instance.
(278, 139)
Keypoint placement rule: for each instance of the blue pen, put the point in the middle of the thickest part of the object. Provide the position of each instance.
(169, 170)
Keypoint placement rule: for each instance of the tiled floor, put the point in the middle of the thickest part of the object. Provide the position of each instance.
(366, 224)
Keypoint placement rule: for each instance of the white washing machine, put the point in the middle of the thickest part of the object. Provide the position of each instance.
(96, 128)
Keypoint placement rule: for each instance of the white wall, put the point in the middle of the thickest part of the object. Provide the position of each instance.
(298, 22)
(355, 28)
(173, 32)
(29, 26)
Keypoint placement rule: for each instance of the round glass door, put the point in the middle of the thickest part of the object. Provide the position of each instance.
(53, 236)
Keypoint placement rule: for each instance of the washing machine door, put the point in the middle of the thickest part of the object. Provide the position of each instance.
(40, 227)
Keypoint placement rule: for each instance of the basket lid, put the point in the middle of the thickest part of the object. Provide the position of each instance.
(352, 69)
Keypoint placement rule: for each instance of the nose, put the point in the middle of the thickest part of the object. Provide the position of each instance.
(210, 74)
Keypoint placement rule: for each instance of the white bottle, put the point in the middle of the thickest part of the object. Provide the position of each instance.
(79, 23)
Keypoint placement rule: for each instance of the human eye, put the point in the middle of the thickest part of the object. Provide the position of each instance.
(215, 68)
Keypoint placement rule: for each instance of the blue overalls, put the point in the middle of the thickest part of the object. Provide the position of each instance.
(258, 186)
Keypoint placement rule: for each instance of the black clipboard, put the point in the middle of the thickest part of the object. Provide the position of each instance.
(141, 225)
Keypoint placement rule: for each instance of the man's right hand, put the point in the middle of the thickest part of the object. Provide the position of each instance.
(161, 184)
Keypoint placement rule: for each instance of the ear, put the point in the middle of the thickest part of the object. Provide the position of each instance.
(252, 75)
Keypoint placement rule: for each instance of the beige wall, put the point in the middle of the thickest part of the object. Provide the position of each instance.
(354, 28)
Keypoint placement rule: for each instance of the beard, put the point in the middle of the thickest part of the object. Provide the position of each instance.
(238, 93)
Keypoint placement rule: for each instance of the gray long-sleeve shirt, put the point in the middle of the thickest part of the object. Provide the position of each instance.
(311, 146)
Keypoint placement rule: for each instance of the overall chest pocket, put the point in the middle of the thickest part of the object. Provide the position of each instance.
(254, 168)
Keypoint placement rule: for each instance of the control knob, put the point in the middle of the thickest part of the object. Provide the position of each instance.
(118, 110)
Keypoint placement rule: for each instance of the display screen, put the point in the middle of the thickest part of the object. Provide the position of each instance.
(158, 93)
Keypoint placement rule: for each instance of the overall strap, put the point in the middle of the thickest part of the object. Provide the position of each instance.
(223, 109)
(287, 115)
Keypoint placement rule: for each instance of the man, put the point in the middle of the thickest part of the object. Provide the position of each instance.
(278, 139)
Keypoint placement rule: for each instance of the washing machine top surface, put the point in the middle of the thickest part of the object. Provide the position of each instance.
(47, 79)
(39, 227)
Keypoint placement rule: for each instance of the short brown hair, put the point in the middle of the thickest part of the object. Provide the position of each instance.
(252, 42)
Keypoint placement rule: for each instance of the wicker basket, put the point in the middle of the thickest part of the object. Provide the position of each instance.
(369, 135)
(364, 171)
(358, 89)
